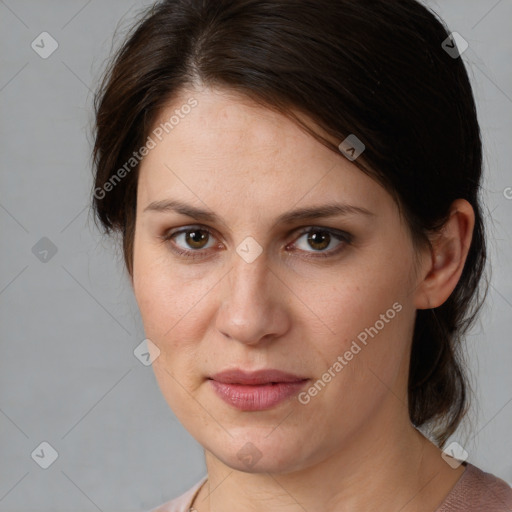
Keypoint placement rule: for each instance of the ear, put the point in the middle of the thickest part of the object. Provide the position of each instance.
(450, 248)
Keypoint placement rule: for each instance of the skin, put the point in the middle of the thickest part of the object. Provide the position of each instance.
(352, 447)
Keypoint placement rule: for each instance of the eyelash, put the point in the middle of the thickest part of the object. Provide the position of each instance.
(342, 236)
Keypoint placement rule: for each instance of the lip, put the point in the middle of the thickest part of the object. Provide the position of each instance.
(255, 391)
(265, 376)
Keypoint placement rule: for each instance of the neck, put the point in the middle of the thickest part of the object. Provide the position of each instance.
(381, 467)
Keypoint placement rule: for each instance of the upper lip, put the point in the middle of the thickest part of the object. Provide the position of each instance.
(238, 376)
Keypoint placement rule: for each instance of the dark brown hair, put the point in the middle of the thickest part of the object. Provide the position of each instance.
(373, 68)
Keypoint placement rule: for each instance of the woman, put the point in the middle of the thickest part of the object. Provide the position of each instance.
(297, 187)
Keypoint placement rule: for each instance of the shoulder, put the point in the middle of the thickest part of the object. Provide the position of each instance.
(477, 490)
(181, 503)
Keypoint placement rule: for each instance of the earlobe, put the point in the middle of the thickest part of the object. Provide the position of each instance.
(448, 255)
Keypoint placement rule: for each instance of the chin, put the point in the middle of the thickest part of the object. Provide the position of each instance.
(258, 452)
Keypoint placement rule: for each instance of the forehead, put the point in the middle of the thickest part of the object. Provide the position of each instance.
(227, 149)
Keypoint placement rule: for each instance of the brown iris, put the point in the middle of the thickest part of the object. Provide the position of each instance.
(195, 238)
(314, 238)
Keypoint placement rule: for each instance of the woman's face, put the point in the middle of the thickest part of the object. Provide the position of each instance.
(255, 292)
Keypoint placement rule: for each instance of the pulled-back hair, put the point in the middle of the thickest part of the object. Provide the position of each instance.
(373, 68)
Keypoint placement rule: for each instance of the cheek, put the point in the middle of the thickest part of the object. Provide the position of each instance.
(355, 298)
(170, 314)
(164, 295)
(370, 320)
(363, 364)
(173, 313)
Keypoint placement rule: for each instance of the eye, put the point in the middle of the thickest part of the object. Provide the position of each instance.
(319, 239)
(197, 237)
(194, 237)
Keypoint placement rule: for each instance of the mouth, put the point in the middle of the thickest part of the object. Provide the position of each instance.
(255, 378)
(256, 391)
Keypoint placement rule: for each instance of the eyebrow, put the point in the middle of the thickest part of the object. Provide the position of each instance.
(301, 214)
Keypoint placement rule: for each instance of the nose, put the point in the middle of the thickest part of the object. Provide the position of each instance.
(253, 303)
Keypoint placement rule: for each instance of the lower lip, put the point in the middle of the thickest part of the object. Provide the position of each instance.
(258, 397)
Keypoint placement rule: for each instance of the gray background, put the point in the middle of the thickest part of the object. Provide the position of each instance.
(69, 325)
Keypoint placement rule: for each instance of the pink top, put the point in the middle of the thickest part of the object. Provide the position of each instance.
(475, 491)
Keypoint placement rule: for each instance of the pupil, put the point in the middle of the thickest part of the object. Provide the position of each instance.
(315, 239)
(195, 237)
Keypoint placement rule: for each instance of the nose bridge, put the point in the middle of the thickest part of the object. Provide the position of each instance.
(249, 275)
(248, 282)
(248, 311)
